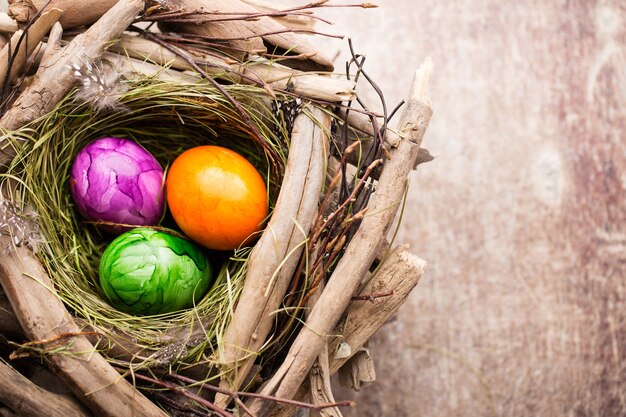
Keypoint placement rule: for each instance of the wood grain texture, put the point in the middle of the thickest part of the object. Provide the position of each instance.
(359, 253)
(42, 316)
(28, 400)
(522, 215)
(54, 81)
(275, 257)
(76, 12)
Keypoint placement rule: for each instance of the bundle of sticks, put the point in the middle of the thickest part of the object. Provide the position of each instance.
(247, 42)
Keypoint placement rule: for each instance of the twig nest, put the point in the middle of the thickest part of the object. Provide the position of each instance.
(166, 119)
(216, 197)
(116, 180)
(147, 272)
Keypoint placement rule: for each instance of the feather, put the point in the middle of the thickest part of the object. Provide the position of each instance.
(20, 226)
(101, 86)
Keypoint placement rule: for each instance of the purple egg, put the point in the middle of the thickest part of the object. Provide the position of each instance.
(116, 180)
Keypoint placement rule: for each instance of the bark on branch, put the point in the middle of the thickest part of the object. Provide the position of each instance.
(359, 254)
(399, 272)
(53, 82)
(28, 400)
(275, 256)
(260, 72)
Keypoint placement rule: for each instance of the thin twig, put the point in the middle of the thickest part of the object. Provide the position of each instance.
(236, 394)
(271, 154)
(177, 388)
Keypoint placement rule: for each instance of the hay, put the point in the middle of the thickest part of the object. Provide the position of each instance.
(165, 118)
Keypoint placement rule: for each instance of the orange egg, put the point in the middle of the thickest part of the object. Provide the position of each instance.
(216, 197)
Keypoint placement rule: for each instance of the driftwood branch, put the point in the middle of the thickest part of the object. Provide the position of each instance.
(28, 400)
(8, 320)
(7, 25)
(275, 256)
(54, 81)
(399, 273)
(358, 371)
(319, 376)
(359, 254)
(22, 50)
(42, 316)
(76, 12)
(255, 31)
(260, 72)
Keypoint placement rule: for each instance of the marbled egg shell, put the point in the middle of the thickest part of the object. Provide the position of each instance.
(146, 272)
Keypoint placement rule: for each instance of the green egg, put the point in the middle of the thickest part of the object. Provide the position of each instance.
(146, 272)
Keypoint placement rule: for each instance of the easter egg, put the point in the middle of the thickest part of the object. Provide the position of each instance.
(216, 197)
(147, 272)
(116, 180)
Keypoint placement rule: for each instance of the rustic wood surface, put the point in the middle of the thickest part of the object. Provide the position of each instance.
(522, 215)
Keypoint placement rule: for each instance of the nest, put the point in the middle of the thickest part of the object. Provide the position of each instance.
(166, 119)
(298, 300)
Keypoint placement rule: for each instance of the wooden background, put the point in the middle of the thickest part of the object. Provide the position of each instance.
(522, 216)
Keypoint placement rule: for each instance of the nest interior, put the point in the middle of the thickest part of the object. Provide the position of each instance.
(166, 119)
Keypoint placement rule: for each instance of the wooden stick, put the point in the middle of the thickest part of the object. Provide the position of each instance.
(42, 316)
(319, 377)
(358, 371)
(359, 254)
(362, 123)
(30, 41)
(260, 72)
(76, 12)
(54, 81)
(7, 25)
(399, 272)
(28, 400)
(254, 30)
(275, 256)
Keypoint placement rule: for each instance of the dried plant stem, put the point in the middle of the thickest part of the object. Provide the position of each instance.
(276, 255)
(28, 400)
(259, 72)
(362, 122)
(53, 82)
(359, 254)
(43, 316)
(237, 394)
(181, 390)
